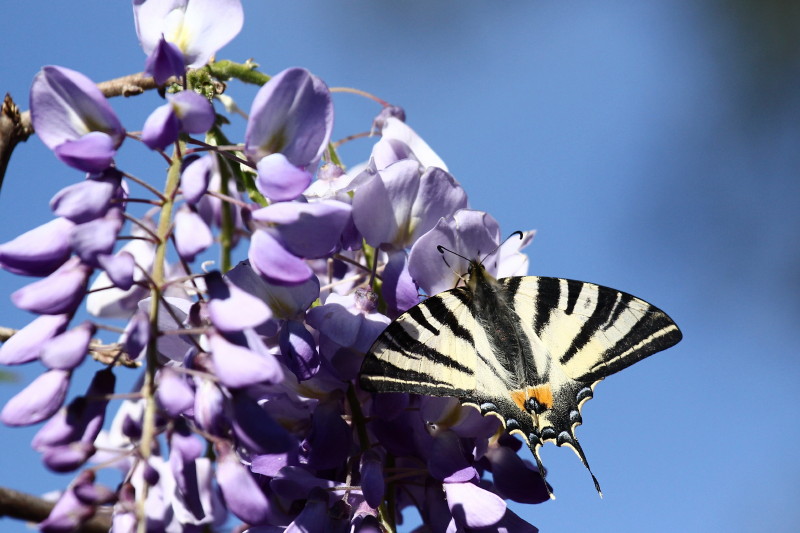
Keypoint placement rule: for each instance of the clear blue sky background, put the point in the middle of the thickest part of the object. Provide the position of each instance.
(655, 147)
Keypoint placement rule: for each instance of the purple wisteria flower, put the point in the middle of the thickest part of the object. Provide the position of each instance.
(248, 401)
(292, 115)
(73, 118)
(184, 112)
(198, 28)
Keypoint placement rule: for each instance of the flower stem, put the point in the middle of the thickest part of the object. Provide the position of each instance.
(157, 280)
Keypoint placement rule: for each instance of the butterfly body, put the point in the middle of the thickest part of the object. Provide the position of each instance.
(527, 349)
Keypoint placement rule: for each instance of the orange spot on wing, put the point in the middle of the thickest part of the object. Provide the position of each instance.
(542, 393)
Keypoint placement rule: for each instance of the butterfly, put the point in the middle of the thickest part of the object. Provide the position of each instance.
(527, 349)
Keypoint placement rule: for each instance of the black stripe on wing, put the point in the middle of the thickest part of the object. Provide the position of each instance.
(397, 338)
(653, 332)
(600, 315)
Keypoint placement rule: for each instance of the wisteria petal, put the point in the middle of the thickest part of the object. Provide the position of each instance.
(89, 199)
(381, 206)
(388, 151)
(192, 235)
(469, 233)
(291, 114)
(398, 290)
(166, 60)
(394, 128)
(58, 293)
(67, 514)
(299, 350)
(161, 128)
(236, 366)
(198, 27)
(209, 408)
(514, 478)
(173, 393)
(40, 251)
(439, 195)
(473, 506)
(244, 497)
(511, 262)
(194, 111)
(120, 269)
(336, 322)
(308, 230)
(94, 152)
(96, 237)
(136, 334)
(270, 259)
(67, 350)
(372, 481)
(231, 308)
(280, 180)
(116, 302)
(66, 105)
(255, 429)
(447, 462)
(285, 301)
(330, 437)
(196, 177)
(68, 457)
(26, 344)
(38, 401)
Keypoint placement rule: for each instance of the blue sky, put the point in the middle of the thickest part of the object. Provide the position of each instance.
(653, 145)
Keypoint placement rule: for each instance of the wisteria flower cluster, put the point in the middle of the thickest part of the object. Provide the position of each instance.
(248, 402)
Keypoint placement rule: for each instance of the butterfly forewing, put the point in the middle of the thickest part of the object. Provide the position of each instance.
(590, 330)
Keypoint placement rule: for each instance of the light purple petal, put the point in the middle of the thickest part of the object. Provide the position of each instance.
(173, 393)
(310, 230)
(473, 506)
(231, 308)
(58, 293)
(236, 366)
(89, 199)
(199, 27)
(291, 114)
(67, 514)
(192, 235)
(38, 401)
(279, 180)
(439, 195)
(242, 494)
(96, 237)
(195, 112)
(120, 269)
(161, 128)
(472, 234)
(395, 128)
(382, 206)
(136, 334)
(26, 344)
(196, 177)
(285, 301)
(398, 290)
(66, 351)
(209, 405)
(336, 322)
(94, 152)
(165, 61)
(389, 151)
(40, 251)
(270, 259)
(67, 457)
(66, 105)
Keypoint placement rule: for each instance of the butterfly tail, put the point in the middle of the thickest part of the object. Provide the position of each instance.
(569, 440)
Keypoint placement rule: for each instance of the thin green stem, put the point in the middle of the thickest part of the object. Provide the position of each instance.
(157, 276)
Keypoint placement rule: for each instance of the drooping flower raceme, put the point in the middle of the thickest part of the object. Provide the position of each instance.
(258, 363)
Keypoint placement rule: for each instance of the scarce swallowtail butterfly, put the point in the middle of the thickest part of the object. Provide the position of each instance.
(527, 349)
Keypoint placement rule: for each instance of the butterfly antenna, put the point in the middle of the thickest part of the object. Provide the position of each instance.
(442, 250)
(521, 236)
